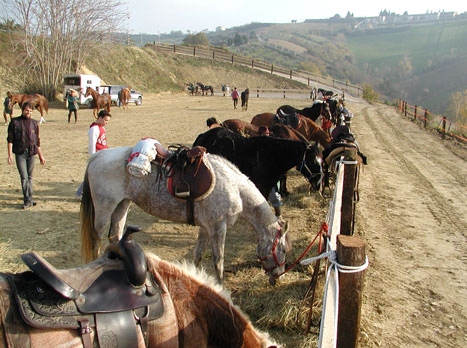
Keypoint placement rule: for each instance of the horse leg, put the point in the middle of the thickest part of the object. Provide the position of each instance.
(117, 221)
(283, 186)
(201, 243)
(217, 235)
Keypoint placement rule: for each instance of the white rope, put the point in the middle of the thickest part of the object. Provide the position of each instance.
(351, 269)
(332, 257)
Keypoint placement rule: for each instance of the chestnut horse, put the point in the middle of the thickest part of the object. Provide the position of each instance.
(37, 101)
(124, 97)
(195, 311)
(307, 127)
(98, 101)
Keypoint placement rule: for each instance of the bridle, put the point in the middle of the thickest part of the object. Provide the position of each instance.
(273, 253)
(308, 173)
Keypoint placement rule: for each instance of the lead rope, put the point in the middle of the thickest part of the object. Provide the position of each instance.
(323, 230)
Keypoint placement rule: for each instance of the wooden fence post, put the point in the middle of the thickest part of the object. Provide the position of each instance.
(405, 109)
(444, 127)
(257, 93)
(291, 74)
(350, 252)
(425, 118)
(348, 202)
(415, 113)
(272, 69)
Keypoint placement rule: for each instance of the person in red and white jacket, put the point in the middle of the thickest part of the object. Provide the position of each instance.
(97, 139)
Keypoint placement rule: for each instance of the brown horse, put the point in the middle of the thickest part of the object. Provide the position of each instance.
(98, 101)
(37, 101)
(308, 128)
(195, 313)
(124, 97)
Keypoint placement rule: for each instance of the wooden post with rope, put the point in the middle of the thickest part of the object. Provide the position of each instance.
(350, 252)
(348, 192)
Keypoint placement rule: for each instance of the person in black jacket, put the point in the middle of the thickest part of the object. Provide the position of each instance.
(24, 141)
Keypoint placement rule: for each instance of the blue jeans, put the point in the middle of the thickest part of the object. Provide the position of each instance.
(275, 197)
(25, 165)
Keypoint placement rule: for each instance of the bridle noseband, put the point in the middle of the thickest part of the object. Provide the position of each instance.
(273, 253)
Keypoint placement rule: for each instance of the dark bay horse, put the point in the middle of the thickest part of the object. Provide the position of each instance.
(307, 127)
(264, 159)
(182, 307)
(317, 109)
(244, 97)
(124, 97)
(37, 101)
(98, 101)
(205, 88)
(284, 132)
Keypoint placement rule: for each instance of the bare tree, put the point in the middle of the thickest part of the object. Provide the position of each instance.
(55, 36)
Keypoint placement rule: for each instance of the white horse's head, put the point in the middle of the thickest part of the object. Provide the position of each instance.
(273, 254)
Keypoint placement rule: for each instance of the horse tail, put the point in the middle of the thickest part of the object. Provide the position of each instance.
(46, 106)
(90, 243)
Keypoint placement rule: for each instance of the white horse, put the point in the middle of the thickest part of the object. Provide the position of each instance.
(109, 189)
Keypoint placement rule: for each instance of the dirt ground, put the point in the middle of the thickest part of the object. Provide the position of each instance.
(411, 213)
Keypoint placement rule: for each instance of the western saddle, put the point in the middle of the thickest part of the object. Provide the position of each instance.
(111, 295)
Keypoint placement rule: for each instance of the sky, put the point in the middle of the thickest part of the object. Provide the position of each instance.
(159, 17)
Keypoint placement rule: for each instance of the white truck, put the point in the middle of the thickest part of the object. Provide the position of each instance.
(79, 82)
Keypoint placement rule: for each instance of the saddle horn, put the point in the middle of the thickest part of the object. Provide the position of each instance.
(133, 257)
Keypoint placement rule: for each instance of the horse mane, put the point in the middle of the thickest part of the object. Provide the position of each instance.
(226, 323)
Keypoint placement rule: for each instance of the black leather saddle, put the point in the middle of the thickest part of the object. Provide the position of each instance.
(98, 296)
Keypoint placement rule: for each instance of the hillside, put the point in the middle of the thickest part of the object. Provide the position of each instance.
(151, 72)
(423, 63)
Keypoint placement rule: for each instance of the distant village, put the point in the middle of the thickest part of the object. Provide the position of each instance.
(386, 18)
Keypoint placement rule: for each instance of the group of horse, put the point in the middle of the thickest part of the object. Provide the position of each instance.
(199, 88)
(227, 174)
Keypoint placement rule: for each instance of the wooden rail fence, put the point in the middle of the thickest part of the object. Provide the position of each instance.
(340, 318)
(222, 55)
(431, 121)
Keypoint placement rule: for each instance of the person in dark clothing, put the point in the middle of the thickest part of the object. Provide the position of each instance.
(7, 108)
(24, 141)
(212, 122)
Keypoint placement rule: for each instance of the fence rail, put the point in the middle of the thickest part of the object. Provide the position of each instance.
(219, 54)
(340, 318)
(432, 121)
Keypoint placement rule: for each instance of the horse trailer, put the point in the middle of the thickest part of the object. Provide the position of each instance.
(79, 82)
